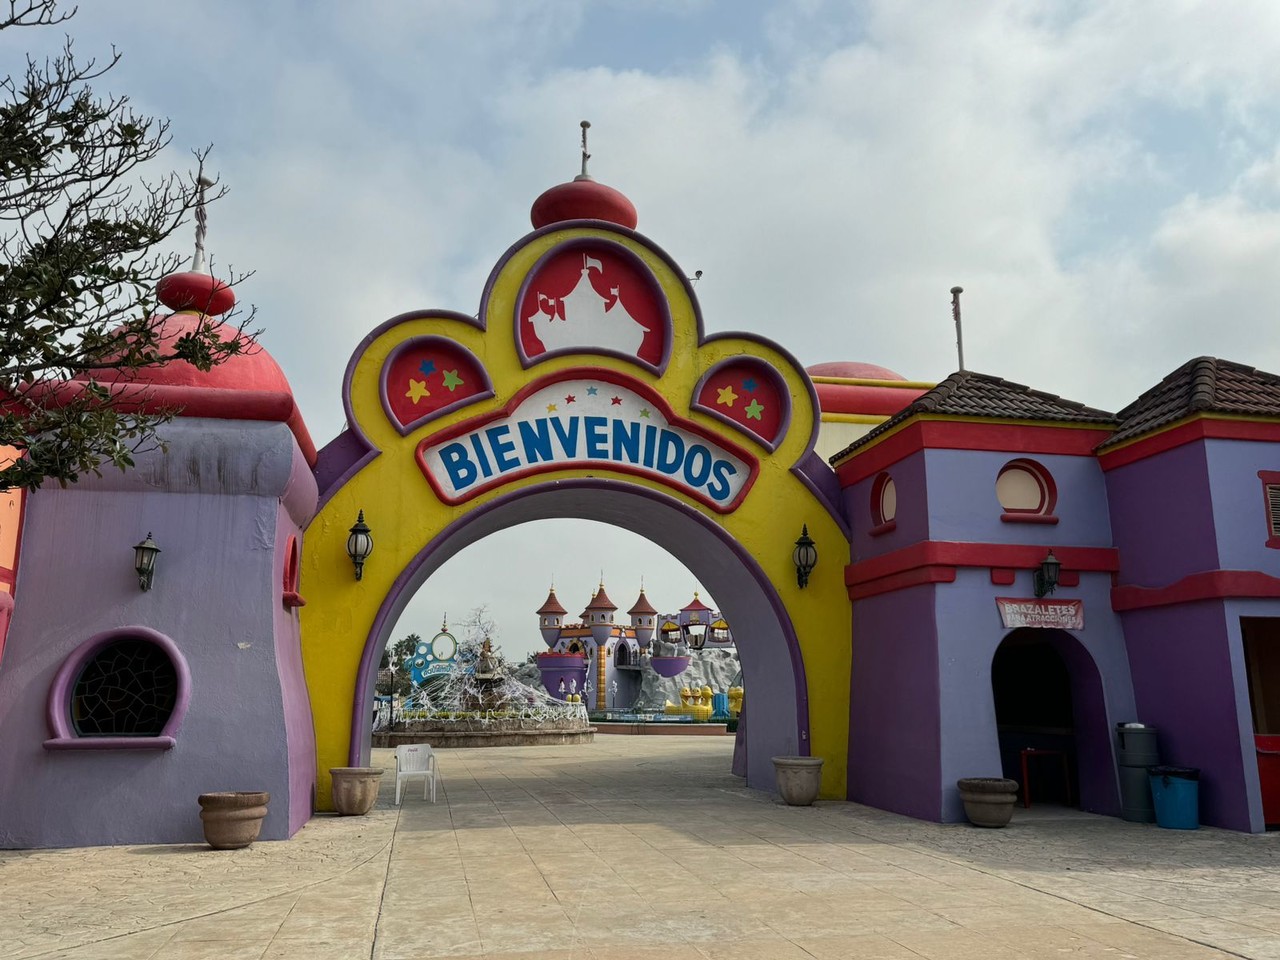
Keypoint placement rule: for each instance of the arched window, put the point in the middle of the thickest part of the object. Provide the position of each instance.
(123, 689)
(1026, 492)
(291, 573)
(884, 505)
(127, 689)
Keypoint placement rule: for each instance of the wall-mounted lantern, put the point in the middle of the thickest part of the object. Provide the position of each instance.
(359, 544)
(804, 556)
(1046, 578)
(144, 561)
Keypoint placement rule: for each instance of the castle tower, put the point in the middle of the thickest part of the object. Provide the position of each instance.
(599, 616)
(644, 618)
(551, 619)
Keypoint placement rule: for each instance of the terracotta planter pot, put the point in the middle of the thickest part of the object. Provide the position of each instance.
(798, 779)
(355, 789)
(988, 801)
(232, 820)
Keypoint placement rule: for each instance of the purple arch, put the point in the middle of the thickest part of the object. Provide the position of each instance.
(766, 641)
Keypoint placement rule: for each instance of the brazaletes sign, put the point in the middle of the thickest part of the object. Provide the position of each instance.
(1059, 614)
(586, 422)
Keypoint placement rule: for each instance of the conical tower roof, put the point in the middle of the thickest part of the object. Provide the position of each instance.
(601, 600)
(695, 605)
(552, 606)
(642, 606)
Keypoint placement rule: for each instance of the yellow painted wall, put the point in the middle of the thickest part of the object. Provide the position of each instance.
(405, 514)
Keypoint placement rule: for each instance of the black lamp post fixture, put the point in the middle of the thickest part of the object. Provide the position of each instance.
(695, 633)
(359, 545)
(1046, 578)
(805, 557)
(144, 561)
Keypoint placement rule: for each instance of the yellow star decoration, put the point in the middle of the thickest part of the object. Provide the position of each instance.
(551, 408)
(417, 390)
(726, 396)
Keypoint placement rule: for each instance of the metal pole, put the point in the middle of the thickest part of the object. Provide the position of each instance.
(955, 312)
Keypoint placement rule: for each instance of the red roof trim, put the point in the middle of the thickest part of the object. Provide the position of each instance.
(946, 553)
(1208, 585)
(1177, 435)
(950, 434)
(901, 581)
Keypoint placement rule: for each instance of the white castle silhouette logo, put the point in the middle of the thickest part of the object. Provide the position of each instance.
(583, 318)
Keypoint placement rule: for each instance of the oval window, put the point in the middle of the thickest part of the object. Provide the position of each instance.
(1024, 486)
(884, 500)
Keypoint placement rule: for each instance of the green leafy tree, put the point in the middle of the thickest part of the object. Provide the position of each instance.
(80, 230)
(394, 656)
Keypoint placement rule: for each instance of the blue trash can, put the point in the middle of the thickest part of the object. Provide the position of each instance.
(1176, 794)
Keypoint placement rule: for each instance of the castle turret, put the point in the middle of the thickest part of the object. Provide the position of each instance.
(695, 619)
(599, 616)
(643, 619)
(551, 619)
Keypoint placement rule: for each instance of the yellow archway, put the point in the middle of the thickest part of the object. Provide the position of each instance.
(451, 416)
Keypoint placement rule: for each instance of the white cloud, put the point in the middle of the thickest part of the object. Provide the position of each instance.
(1101, 178)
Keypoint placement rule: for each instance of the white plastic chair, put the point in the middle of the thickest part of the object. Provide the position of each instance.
(416, 760)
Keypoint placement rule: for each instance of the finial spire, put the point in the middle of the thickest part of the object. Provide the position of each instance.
(202, 222)
(586, 125)
(955, 315)
(444, 623)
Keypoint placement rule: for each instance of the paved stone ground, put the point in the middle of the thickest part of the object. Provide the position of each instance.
(645, 847)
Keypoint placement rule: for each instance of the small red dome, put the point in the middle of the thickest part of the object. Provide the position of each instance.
(853, 370)
(583, 199)
(195, 291)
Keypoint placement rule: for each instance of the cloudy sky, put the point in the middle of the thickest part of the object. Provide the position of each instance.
(1102, 178)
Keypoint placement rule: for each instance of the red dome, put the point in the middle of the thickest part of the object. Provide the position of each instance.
(255, 369)
(862, 399)
(583, 199)
(195, 291)
(853, 370)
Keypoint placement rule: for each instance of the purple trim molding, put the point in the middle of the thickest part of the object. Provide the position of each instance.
(623, 253)
(372, 650)
(767, 370)
(401, 347)
(57, 714)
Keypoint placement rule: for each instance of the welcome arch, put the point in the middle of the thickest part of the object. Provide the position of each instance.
(585, 387)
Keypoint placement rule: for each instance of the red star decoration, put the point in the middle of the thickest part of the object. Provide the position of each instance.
(570, 399)
(617, 401)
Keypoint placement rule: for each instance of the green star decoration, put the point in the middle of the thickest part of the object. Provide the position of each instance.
(645, 413)
(452, 380)
(754, 409)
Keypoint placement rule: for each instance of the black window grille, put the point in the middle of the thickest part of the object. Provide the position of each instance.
(127, 689)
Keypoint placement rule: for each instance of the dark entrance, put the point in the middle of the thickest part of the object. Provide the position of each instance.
(1035, 717)
(1262, 667)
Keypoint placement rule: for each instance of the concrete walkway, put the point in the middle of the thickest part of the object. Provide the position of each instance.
(645, 847)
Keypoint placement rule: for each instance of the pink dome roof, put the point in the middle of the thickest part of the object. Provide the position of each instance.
(853, 370)
(255, 369)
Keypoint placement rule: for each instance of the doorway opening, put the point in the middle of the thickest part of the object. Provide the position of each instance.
(1261, 637)
(1035, 717)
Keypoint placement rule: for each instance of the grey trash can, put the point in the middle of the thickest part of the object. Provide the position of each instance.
(1136, 750)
